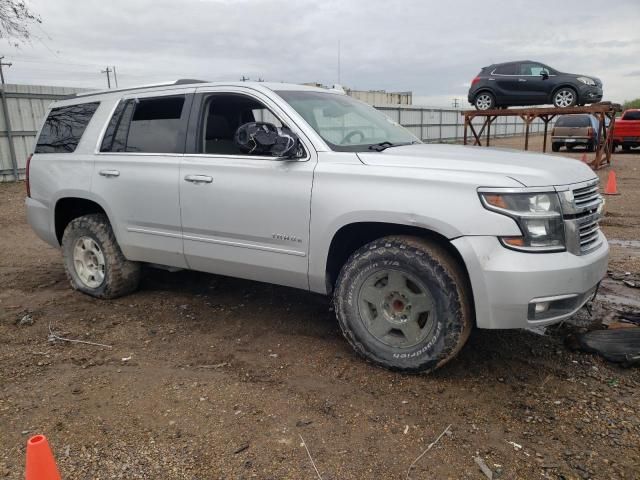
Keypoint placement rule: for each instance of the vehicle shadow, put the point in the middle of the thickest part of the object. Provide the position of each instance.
(283, 310)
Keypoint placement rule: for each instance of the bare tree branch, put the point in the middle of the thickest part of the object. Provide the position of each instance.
(16, 19)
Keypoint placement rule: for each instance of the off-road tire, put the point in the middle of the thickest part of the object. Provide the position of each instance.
(121, 276)
(440, 273)
(555, 147)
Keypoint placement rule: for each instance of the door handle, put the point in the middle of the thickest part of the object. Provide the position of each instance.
(198, 178)
(522, 79)
(110, 173)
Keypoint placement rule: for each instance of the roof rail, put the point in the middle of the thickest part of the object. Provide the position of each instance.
(181, 81)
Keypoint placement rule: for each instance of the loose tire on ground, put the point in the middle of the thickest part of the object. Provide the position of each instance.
(382, 279)
(93, 260)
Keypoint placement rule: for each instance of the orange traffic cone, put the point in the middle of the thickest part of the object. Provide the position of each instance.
(612, 185)
(40, 462)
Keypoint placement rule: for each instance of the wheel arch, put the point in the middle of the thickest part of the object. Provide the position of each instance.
(70, 207)
(564, 85)
(350, 237)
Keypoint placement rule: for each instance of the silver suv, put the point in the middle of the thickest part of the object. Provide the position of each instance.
(309, 188)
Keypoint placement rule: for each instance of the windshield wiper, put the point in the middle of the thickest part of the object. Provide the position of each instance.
(379, 147)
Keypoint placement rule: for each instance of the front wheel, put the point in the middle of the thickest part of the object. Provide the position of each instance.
(555, 147)
(484, 101)
(565, 97)
(403, 303)
(93, 261)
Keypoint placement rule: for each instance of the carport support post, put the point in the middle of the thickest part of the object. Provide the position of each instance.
(7, 122)
(488, 131)
(466, 123)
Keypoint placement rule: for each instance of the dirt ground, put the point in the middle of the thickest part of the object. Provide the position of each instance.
(216, 378)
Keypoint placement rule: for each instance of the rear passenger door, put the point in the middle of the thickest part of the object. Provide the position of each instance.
(136, 174)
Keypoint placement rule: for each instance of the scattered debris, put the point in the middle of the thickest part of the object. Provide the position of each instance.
(617, 345)
(484, 468)
(304, 444)
(426, 450)
(26, 320)
(516, 446)
(303, 423)
(217, 365)
(53, 337)
(241, 448)
(126, 359)
(406, 429)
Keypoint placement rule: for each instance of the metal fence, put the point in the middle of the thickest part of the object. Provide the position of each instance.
(447, 125)
(23, 108)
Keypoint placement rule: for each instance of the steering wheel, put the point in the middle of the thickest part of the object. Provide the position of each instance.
(347, 139)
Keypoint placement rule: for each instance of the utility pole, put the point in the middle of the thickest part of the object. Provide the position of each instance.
(115, 78)
(107, 71)
(3, 64)
(456, 102)
(7, 121)
(244, 79)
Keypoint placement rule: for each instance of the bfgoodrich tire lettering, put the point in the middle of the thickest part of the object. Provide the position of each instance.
(121, 276)
(420, 262)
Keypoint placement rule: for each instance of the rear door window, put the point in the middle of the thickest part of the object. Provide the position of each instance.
(63, 128)
(532, 69)
(147, 125)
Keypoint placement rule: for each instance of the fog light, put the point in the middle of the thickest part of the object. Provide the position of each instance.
(542, 307)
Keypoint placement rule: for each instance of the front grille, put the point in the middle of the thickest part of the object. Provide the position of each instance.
(582, 217)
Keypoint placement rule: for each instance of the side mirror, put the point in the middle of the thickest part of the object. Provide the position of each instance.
(544, 74)
(262, 138)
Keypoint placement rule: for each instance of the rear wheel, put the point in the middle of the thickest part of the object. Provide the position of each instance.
(565, 97)
(626, 148)
(93, 260)
(484, 101)
(402, 303)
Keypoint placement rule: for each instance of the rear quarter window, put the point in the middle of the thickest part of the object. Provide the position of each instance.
(63, 128)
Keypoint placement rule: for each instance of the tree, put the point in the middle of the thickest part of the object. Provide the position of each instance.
(631, 104)
(16, 19)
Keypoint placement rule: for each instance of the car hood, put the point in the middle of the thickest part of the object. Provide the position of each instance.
(529, 169)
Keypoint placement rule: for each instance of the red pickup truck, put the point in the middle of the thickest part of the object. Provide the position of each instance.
(626, 130)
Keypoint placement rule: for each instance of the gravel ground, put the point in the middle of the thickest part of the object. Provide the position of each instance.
(216, 378)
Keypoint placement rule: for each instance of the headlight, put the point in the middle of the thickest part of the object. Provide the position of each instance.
(538, 215)
(587, 81)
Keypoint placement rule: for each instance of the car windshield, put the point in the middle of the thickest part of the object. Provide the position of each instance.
(346, 124)
(632, 115)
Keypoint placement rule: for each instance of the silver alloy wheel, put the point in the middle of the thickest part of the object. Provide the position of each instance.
(564, 98)
(484, 101)
(88, 262)
(396, 308)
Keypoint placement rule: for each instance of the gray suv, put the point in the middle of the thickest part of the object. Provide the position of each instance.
(309, 188)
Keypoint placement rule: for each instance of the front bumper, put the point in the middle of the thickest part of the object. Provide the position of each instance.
(507, 283)
(589, 94)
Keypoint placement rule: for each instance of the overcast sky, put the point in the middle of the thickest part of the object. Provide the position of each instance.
(433, 48)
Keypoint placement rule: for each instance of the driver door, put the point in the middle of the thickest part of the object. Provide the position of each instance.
(243, 215)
